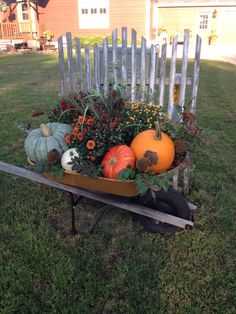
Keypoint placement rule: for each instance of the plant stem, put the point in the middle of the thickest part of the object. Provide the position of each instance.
(158, 131)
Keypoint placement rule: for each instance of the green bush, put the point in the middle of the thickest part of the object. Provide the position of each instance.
(92, 40)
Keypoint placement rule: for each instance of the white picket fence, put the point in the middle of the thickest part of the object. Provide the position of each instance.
(140, 70)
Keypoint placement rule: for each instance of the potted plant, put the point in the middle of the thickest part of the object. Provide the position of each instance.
(48, 35)
(162, 33)
(212, 38)
(3, 6)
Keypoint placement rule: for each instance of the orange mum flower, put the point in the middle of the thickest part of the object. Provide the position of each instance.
(81, 119)
(75, 132)
(68, 139)
(90, 144)
(80, 137)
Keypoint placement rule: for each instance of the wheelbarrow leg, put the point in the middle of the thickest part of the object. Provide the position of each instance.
(73, 203)
(99, 218)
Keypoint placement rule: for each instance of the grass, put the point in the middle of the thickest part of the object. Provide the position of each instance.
(120, 268)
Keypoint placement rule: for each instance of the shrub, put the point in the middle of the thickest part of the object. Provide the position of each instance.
(92, 40)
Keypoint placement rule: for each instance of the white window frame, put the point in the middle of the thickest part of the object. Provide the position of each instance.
(24, 12)
(96, 16)
(84, 11)
(93, 10)
(103, 11)
(209, 15)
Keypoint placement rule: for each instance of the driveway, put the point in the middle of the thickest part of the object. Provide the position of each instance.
(225, 53)
(219, 52)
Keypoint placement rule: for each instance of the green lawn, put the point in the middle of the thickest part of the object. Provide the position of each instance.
(120, 268)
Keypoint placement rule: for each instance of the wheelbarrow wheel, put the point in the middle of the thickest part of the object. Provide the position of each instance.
(170, 202)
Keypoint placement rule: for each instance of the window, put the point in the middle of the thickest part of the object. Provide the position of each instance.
(93, 11)
(203, 20)
(84, 11)
(25, 15)
(103, 10)
(93, 14)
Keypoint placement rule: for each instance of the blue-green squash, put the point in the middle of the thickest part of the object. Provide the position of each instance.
(46, 138)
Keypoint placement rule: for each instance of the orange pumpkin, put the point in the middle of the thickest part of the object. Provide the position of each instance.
(160, 143)
(116, 159)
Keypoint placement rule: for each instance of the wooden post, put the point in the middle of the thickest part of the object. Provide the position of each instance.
(37, 20)
(1, 26)
(30, 19)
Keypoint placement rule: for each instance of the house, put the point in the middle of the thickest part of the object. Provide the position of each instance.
(28, 19)
(208, 18)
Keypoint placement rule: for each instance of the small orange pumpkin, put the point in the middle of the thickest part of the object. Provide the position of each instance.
(117, 159)
(158, 142)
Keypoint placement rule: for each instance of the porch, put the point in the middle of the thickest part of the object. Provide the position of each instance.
(17, 31)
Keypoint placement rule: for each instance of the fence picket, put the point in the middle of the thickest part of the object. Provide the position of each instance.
(124, 55)
(152, 69)
(143, 67)
(105, 65)
(196, 74)
(171, 108)
(70, 61)
(97, 67)
(184, 69)
(157, 72)
(162, 76)
(133, 64)
(114, 57)
(62, 65)
(87, 67)
(79, 63)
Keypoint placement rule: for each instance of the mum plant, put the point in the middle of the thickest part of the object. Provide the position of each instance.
(48, 35)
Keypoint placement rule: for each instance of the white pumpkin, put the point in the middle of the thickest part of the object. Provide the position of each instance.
(66, 157)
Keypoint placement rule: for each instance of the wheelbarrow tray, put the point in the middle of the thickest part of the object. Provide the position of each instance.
(104, 185)
(100, 184)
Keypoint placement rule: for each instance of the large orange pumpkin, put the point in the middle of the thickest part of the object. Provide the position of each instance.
(116, 159)
(162, 144)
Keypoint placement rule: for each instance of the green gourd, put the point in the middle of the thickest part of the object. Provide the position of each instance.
(48, 137)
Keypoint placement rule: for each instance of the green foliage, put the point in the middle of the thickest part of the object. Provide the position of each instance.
(176, 131)
(146, 181)
(98, 40)
(150, 181)
(126, 174)
(93, 40)
(85, 167)
(68, 107)
(55, 169)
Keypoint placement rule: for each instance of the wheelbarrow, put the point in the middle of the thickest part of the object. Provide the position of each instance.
(158, 210)
(167, 212)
